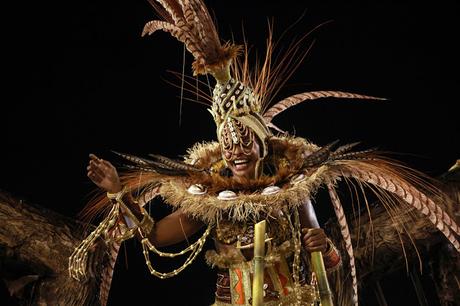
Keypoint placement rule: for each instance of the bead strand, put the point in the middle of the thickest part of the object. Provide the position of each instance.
(78, 259)
(195, 249)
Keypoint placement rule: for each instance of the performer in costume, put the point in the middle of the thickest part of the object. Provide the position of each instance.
(248, 175)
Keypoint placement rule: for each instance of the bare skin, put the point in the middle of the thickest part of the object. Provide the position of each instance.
(103, 174)
(241, 164)
(176, 227)
(170, 230)
(314, 238)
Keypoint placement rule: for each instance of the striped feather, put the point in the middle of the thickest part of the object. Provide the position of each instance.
(320, 156)
(308, 96)
(190, 22)
(175, 164)
(364, 154)
(132, 158)
(159, 164)
(391, 182)
(345, 148)
(206, 29)
(344, 229)
(157, 169)
(173, 8)
(107, 276)
(181, 35)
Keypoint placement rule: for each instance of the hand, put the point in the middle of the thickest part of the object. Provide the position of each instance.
(103, 174)
(314, 239)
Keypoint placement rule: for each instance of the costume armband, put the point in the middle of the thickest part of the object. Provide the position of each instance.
(332, 259)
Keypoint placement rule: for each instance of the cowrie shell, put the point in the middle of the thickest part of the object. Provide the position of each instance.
(227, 195)
(271, 190)
(197, 189)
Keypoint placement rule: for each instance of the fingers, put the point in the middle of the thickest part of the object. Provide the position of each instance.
(316, 249)
(100, 163)
(314, 239)
(94, 177)
(94, 174)
(311, 232)
(93, 157)
(97, 168)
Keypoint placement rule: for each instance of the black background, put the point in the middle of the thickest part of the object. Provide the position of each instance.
(80, 79)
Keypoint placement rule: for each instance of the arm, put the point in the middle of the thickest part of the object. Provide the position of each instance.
(172, 229)
(314, 238)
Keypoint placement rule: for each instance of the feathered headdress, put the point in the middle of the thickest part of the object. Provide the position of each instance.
(241, 97)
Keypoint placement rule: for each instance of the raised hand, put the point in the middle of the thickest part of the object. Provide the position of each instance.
(103, 174)
(314, 239)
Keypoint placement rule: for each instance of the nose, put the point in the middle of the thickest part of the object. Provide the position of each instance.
(238, 150)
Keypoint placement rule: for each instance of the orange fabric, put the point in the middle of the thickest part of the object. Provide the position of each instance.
(239, 287)
(283, 279)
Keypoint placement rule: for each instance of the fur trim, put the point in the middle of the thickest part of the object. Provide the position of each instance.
(249, 201)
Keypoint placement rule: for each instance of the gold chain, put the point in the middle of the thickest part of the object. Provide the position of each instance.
(195, 249)
(295, 231)
(78, 259)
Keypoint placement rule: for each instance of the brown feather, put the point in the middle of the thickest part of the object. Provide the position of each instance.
(180, 34)
(308, 96)
(175, 164)
(344, 229)
(173, 8)
(345, 148)
(381, 174)
(107, 276)
(190, 23)
(319, 157)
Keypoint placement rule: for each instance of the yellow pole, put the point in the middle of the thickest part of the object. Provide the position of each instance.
(259, 254)
(325, 292)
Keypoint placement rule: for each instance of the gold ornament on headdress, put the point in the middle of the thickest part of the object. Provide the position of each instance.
(235, 108)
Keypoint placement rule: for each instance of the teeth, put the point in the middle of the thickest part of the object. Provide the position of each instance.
(240, 161)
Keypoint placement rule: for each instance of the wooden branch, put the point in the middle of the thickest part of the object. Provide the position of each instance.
(35, 244)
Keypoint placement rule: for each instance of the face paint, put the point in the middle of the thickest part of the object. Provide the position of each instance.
(239, 148)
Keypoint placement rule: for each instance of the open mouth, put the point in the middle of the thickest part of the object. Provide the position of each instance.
(241, 164)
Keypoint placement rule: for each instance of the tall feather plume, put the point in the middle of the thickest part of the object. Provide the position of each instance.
(190, 22)
(288, 102)
(267, 78)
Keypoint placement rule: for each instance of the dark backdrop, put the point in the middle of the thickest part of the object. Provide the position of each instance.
(80, 79)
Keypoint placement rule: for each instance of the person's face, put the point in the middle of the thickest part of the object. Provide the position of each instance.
(242, 151)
